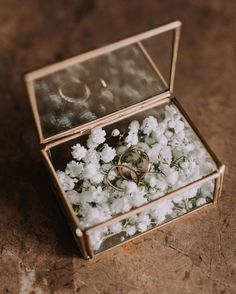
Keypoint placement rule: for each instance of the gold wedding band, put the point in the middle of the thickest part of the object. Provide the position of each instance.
(133, 174)
(147, 164)
(74, 91)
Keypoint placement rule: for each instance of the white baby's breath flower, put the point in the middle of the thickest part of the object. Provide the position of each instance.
(78, 152)
(159, 131)
(133, 219)
(143, 222)
(143, 146)
(92, 156)
(149, 124)
(155, 195)
(112, 175)
(198, 152)
(171, 112)
(172, 124)
(97, 195)
(73, 196)
(137, 199)
(131, 139)
(91, 144)
(161, 210)
(201, 201)
(98, 135)
(66, 182)
(180, 136)
(179, 126)
(189, 147)
(154, 152)
(137, 195)
(120, 205)
(207, 167)
(151, 180)
(96, 138)
(97, 179)
(92, 173)
(130, 230)
(154, 182)
(101, 195)
(207, 188)
(165, 155)
(169, 134)
(192, 192)
(86, 184)
(195, 174)
(116, 228)
(172, 176)
(95, 215)
(115, 133)
(90, 170)
(108, 153)
(74, 169)
(188, 168)
(163, 140)
(180, 197)
(96, 239)
(130, 186)
(134, 126)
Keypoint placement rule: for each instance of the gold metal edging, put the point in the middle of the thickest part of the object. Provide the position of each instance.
(64, 199)
(152, 63)
(88, 245)
(34, 108)
(219, 185)
(79, 239)
(174, 57)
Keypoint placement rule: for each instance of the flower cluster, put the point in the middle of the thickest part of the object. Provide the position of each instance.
(177, 158)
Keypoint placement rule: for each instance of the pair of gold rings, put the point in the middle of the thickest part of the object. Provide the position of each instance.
(133, 164)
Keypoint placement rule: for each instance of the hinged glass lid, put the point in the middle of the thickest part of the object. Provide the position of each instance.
(69, 95)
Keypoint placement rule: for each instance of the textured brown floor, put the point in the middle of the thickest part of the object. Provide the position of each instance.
(38, 254)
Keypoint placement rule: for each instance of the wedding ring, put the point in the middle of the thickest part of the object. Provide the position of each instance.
(74, 91)
(133, 175)
(145, 161)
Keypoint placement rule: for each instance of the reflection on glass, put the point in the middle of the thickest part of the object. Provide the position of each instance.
(85, 91)
(167, 210)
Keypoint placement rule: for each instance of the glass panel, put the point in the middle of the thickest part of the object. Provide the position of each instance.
(161, 213)
(159, 52)
(156, 151)
(91, 89)
(94, 88)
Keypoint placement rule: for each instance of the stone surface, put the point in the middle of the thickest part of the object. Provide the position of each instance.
(38, 253)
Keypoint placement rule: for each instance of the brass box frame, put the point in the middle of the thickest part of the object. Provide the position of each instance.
(82, 235)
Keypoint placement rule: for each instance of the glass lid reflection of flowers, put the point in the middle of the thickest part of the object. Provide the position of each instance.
(177, 157)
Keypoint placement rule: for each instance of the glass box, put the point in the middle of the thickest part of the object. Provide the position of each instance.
(123, 155)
